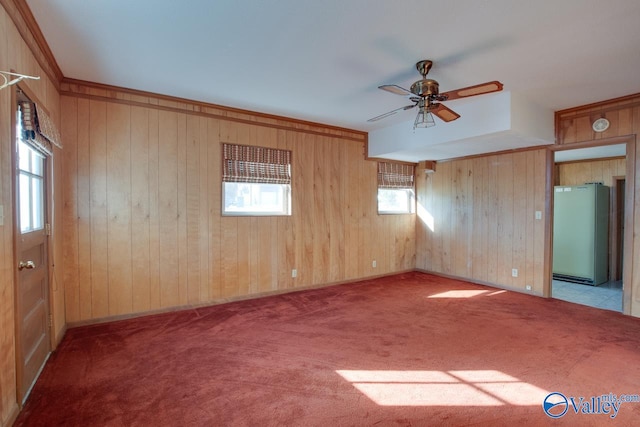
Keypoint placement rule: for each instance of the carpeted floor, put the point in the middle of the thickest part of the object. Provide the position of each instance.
(406, 350)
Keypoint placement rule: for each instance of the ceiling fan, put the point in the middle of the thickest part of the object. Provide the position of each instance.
(426, 96)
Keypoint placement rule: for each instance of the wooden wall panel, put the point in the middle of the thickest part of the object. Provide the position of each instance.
(578, 173)
(484, 225)
(98, 208)
(154, 220)
(167, 210)
(574, 126)
(158, 239)
(118, 204)
(71, 211)
(80, 179)
(140, 210)
(16, 54)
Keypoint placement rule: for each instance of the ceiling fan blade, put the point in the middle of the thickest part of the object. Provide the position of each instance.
(395, 89)
(488, 87)
(392, 112)
(444, 113)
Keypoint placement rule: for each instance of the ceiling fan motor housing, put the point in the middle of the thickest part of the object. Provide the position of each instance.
(427, 96)
(425, 87)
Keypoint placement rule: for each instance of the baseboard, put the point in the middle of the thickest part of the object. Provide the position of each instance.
(480, 282)
(219, 301)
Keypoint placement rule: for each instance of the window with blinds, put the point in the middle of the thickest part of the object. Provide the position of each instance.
(256, 181)
(396, 188)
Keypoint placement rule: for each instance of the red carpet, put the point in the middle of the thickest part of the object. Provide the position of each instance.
(406, 350)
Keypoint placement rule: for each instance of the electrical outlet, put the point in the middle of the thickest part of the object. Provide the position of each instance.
(528, 287)
(294, 273)
(514, 272)
(374, 264)
(538, 214)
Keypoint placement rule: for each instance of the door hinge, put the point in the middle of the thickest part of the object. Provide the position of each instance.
(47, 229)
(50, 320)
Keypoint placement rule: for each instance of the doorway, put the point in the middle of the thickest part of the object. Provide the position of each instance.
(33, 333)
(605, 167)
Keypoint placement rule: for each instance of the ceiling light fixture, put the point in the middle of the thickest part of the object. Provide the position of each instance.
(425, 94)
(424, 119)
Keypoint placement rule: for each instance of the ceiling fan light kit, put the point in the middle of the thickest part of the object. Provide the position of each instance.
(425, 94)
(424, 119)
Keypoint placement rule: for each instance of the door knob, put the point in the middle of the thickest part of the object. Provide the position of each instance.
(28, 265)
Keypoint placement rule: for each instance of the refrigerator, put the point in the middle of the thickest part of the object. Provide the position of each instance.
(581, 233)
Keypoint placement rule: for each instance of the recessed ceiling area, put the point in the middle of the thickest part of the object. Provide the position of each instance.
(494, 122)
(323, 61)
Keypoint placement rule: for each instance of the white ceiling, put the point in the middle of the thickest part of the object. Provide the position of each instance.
(323, 60)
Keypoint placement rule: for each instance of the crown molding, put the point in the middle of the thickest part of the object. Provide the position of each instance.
(103, 92)
(609, 104)
(28, 28)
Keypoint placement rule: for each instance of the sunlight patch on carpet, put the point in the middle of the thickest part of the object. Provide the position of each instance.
(439, 388)
(495, 293)
(462, 293)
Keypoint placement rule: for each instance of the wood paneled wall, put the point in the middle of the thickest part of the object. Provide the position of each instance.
(574, 126)
(477, 219)
(16, 54)
(142, 209)
(577, 173)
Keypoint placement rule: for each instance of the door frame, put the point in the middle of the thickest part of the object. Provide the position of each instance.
(617, 249)
(629, 211)
(22, 389)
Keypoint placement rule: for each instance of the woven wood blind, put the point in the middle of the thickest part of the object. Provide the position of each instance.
(246, 163)
(395, 175)
(38, 128)
(47, 128)
(30, 128)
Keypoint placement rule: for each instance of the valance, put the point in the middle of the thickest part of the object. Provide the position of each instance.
(38, 127)
(247, 163)
(395, 175)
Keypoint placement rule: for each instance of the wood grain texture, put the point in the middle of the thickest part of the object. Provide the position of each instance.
(18, 54)
(140, 210)
(158, 238)
(483, 219)
(103, 92)
(579, 173)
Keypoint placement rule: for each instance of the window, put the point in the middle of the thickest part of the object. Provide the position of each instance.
(31, 176)
(395, 188)
(256, 181)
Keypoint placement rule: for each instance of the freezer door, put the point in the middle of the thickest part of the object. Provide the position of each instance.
(573, 231)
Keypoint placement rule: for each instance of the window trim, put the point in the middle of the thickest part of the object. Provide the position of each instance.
(411, 207)
(255, 165)
(397, 176)
(287, 201)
